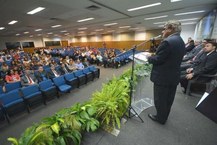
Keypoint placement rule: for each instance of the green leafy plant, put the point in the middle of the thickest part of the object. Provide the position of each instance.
(112, 102)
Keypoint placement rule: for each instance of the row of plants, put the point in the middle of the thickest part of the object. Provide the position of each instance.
(105, 108)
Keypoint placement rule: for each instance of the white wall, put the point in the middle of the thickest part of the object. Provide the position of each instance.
(187, 31)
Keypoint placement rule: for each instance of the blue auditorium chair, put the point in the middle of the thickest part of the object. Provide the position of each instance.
(12, 86)
(60, 83)
(89, 74)
(81, 77)
(12, 103)
(95, 71)
(49, 91)
(72, 80)
(32, 95)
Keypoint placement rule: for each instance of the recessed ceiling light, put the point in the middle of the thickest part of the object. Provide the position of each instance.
(111, 31)
(31, 36)
(17, 34)
(187, 13)
(2, 28)
(49, 33)
(38, 30)
(66, 34)
(63, 31)
(158, 17)
(35, 10)
(175, 1)
(189, 23)
(55, 26)
(84, 28)
(110, 24)
(143, 7)
(12, 22)
(87, 19)
(122, 27)
(81, 32)
(26, 32)
(99, 30)
(39, 34)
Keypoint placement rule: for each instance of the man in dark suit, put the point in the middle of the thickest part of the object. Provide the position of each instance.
(41, 74)
(166, 70)
(28, 78)
(207, 66)
(64, 69)
(52, 73)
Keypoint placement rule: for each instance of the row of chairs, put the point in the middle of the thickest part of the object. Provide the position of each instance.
(25, 98)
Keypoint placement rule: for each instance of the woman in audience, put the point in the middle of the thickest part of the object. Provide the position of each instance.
(71, 65)
(12, 77)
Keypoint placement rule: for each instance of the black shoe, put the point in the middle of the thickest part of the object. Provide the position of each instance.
(153, 117)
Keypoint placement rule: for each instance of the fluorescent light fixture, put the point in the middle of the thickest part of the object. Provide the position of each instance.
(2, 28)
(175, 1)
(189, 23)
(17, 34)
(55, 26)
(36, 10)
(161, 26)
(31, 36)
(143, 7)
(63, 31)
(84, 28)
(111, 24)
(86, 19)
(81, 32)
(192, 19)
(12, 22)
(49, 33)
(187, 13)
(157, 23)
(99, 30)
(38, 30)
(26, 32)
(39, 34)
(158, 17)
(122, 27)
(66, 34)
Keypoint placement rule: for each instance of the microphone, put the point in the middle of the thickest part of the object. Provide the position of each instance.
(156, 37)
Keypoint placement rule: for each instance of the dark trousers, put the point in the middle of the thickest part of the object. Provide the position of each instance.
(163, 100)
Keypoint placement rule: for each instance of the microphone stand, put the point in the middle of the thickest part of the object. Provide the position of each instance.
(131, 83)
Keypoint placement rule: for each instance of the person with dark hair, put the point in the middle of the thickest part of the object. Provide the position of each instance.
(208, 65)
(165, 73)
(41, 75)
(12, 77)
(28, 78)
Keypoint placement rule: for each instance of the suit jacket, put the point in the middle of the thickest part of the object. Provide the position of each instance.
(41, 76)
(25, 80)
(62, 71)
(51, 74)
(166, 62)
(207, 66)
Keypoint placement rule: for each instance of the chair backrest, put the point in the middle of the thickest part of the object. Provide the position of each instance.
(10, 97)
(78, 73)
(12, 86)
(86, 70)
(29, 90)
(92, 68)
(58, 81)
(69, 76)
(45, 84)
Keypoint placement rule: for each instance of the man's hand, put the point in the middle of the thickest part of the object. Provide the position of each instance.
(189, 76)
(189, 70)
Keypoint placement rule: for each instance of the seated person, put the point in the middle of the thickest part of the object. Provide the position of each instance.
(207, 66)
(64, 69)
(12, 77)
(41, 74)
(28, 78)
(71, 65)
(53, 72)
(79, 65)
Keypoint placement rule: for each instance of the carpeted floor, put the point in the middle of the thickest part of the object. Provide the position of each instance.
(185, 125)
